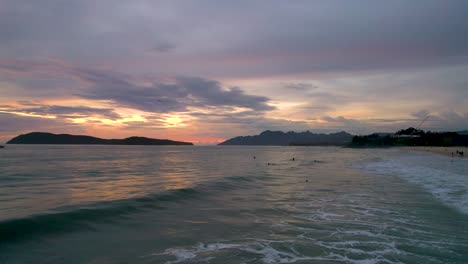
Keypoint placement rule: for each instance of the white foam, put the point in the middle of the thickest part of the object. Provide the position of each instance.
(179, 254)
(443, 178)
(271, 255)
(184, 254)
(345, 259)
(358, 233)
(268, 253)
(214, 247)
(320, 215)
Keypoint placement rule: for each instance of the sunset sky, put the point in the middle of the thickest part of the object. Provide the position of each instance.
(205, 71)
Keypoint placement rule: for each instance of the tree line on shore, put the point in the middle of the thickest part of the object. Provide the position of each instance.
(411, 137)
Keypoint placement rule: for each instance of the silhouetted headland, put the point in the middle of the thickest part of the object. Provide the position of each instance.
(411, 137)
(278, 138)
(49, 138)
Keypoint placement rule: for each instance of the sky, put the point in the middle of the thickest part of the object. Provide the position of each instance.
(206, 71)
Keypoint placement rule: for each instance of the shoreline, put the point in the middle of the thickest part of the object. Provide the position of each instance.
(445, 151)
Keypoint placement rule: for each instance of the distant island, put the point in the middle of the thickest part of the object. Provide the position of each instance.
(278, 138)
(412, 137)
(49, 138)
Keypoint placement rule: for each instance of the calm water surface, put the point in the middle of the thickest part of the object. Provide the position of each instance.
(153, 204)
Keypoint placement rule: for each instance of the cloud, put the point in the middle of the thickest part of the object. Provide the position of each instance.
(242, 123)
(212, 94)
(12, 125)
(81, 30)
(67, 111)
(449, 121)
(382, 60)
(443, 121)
(163, 47)
(348, 124)
(300, 87)
(421, 114)
(222, 39)
(175, 95)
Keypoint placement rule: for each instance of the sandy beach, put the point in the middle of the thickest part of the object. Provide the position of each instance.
(447, 151)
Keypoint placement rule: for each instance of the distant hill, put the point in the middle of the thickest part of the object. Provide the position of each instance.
(464, 132)
(278, 138)
(411, 137)
(49, 138)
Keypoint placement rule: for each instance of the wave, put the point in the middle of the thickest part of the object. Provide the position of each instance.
(440, 176)
(84, 216)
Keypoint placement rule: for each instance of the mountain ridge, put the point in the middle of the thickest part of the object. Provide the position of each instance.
(279, 138)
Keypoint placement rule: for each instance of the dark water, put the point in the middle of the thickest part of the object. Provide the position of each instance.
(152, 204)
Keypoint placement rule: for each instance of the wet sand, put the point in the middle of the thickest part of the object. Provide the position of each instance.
(446, 151)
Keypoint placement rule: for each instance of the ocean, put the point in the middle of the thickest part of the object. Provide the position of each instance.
(182, 204)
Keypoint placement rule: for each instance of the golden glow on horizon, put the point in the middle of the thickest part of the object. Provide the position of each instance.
(203, 125)
(169, 121)
(132, 118)
(117, 122)
(174, 121)
(78, 120)
(320, 121)
(125, 115)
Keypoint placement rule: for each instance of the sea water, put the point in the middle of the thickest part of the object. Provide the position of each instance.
(183, 204)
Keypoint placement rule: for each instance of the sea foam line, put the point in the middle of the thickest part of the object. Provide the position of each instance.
(437, 175)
